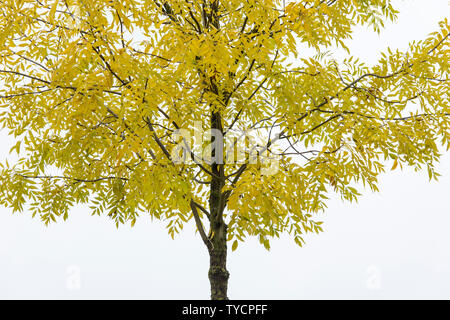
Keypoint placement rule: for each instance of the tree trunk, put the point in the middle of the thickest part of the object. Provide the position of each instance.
(218, 274)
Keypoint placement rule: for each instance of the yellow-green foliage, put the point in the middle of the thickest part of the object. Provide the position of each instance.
(93, 89)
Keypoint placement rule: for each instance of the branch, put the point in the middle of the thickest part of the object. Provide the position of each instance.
(73, 179)
(199, 224)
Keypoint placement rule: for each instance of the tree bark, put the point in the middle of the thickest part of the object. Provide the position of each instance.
(218, 274)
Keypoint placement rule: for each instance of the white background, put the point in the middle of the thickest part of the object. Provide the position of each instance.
(394, 244)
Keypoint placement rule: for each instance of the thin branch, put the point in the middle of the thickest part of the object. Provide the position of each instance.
(199, 224)
(73, 179)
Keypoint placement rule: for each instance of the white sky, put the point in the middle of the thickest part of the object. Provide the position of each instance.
(393, 244)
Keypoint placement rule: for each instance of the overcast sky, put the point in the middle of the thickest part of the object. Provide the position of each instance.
(393, 244)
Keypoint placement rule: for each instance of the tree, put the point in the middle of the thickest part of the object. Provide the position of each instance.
(208, 111)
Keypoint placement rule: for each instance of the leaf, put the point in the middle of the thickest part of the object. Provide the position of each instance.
(395, 164)
(234, 246)
(16, 147)
(51, 15)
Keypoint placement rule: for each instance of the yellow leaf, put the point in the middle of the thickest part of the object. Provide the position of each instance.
(234, 246)
(51, 15)
(395, 164)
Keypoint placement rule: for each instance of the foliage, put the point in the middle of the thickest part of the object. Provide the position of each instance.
(93, 90)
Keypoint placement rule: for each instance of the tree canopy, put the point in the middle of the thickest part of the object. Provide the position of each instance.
(94, 92)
